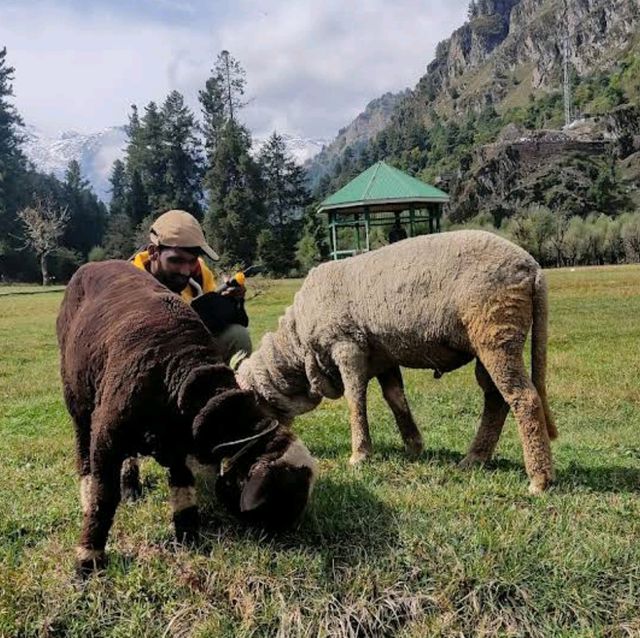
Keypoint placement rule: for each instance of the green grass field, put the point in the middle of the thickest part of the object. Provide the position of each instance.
(394, 548)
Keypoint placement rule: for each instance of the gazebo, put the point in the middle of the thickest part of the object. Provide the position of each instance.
(375, 198)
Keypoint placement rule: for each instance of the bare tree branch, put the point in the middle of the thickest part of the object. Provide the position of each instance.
(44, 225)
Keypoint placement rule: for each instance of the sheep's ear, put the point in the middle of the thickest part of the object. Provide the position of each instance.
(201, 383)
(235, 409)
(318, 382)
(254, 493)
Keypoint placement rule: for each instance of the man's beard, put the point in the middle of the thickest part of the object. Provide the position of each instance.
(175, 283)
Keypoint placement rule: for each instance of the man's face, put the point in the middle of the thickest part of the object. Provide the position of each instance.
(172, 266)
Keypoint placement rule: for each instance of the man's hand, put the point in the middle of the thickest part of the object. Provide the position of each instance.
(236, 290)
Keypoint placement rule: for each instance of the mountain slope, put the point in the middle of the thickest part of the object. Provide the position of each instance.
(355, 135)
(504, 67)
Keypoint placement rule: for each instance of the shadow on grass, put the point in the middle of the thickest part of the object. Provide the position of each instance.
(345, 524)
(614, 479)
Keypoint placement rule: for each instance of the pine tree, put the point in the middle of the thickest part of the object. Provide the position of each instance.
(87, 215)
(285, 196)
(221, 100)
(183, 162)
(233, 83)
(232, 178)
(12, 165)
(312, 248)
(118, 181)
(137, 200)
(235, 213)
(119, 237)
(153, 165)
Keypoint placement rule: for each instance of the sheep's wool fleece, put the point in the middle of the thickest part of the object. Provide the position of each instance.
(413, 302)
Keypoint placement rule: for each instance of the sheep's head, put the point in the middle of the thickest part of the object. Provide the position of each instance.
(266, 473)
(271, 487)
(281, 396)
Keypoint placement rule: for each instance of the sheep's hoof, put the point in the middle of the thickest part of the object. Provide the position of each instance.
(472, 460)
(89, 561)
(187, 525)
(414, 448)
(358, 457)
(539, 483)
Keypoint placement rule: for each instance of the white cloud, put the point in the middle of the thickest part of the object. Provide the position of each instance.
(311, 66)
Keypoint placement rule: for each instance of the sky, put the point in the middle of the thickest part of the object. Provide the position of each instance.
(312, 65)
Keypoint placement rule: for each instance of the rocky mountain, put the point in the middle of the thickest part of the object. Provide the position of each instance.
(376, 115)
(486, 121)
(510, 48)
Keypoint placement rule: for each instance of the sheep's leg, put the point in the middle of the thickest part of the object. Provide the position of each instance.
(130, 487)
(82, 425)
(101, 495)
(393, 393)
(186, 518)
(352, 363)
(493, 417)
(507, 370)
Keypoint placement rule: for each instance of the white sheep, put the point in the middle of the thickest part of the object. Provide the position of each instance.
(433, 302)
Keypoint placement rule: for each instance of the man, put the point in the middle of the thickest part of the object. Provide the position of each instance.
(173, 257)
(397, 232)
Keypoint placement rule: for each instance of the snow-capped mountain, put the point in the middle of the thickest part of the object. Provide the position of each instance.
(301, 148)
(96, 152)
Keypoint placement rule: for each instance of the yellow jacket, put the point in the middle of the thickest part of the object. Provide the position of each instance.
(202, 275)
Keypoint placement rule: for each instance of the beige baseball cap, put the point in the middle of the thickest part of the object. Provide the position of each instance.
(179, 229)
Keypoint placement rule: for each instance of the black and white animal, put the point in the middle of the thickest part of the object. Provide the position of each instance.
(435, 302)
(142, 375)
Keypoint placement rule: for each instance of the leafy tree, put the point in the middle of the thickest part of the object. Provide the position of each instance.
(97, 253)
(631, 237)
(533, 230)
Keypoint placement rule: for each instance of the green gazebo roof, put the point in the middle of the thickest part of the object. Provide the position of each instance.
(382, 184)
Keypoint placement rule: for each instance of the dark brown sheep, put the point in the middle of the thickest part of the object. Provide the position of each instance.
(142, 375)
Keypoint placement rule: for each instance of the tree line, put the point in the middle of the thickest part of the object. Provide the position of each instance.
(253, 207)
(563, 240)
(35, 207)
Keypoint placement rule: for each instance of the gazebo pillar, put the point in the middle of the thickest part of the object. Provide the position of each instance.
(333, 236)
(367, 220)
